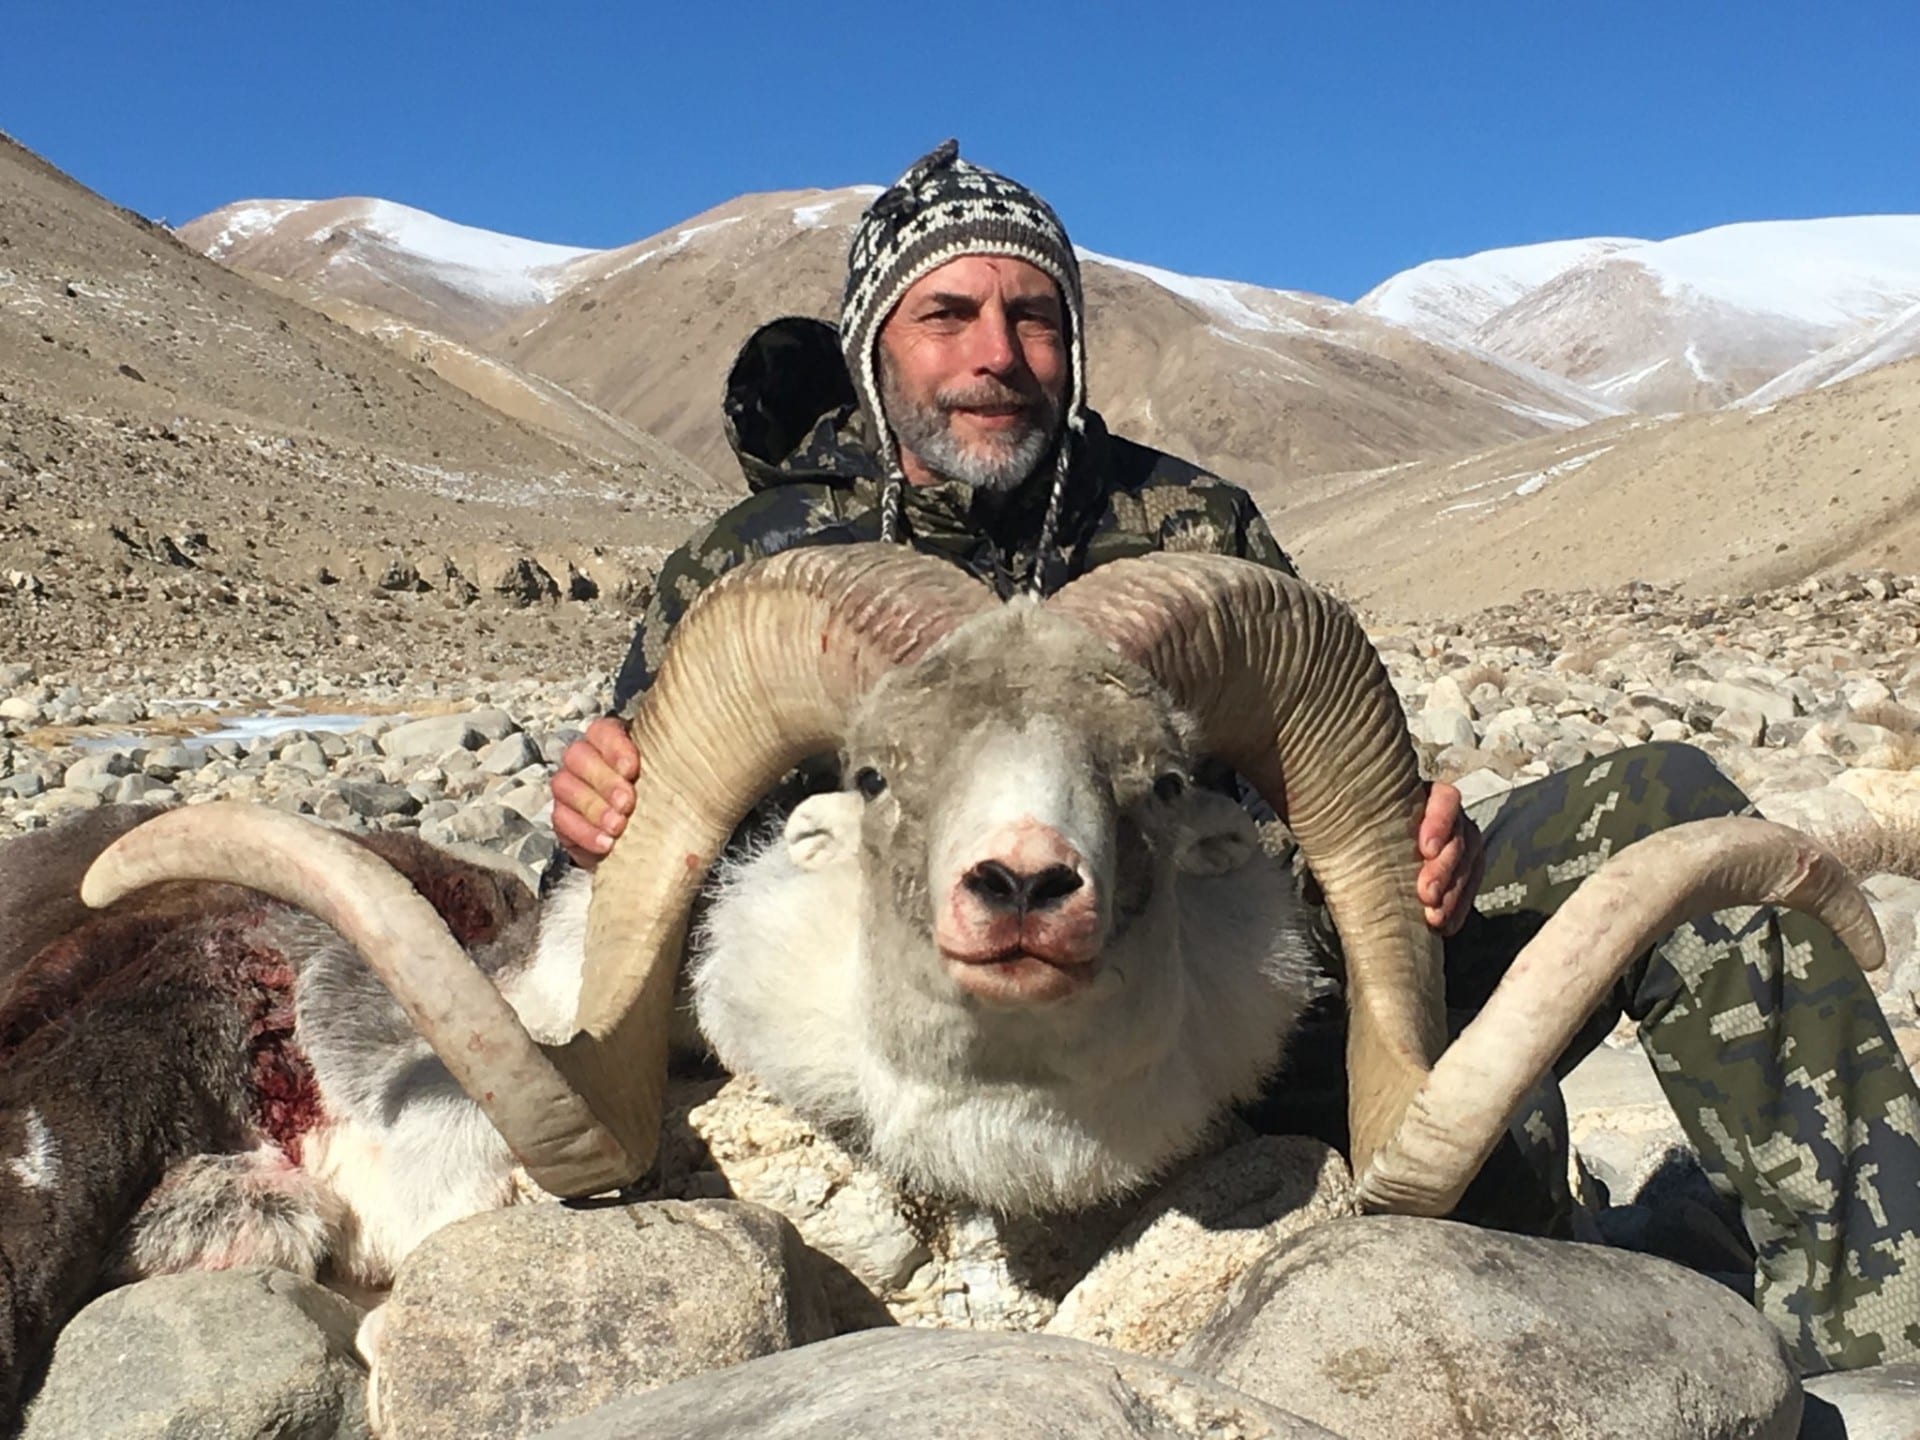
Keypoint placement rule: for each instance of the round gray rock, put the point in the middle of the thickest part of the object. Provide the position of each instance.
(1878, 1404)
(508, 1322)
(1429, 1330)
(1168, 1270)
(226, 1355)
(944, 1385)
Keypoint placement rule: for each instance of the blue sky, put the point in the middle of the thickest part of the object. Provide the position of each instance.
(1318, 147)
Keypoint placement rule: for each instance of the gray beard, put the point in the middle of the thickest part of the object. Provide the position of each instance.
(927, 431)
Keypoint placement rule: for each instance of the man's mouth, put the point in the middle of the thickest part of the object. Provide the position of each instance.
(994, 412)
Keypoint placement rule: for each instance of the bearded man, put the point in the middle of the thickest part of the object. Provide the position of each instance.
(949, 412)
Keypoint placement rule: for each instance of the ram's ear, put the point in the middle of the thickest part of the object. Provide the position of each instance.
(1216, 836)
(824, 830)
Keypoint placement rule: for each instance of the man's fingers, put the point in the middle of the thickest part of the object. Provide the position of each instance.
(1454, 906)
(576, 801)
(615, 746)
(582, 842)
(1442, 872)
(587, 765)
(1441, 822)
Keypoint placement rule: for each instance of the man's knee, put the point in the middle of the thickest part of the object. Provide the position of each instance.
(1696, 788)
(1667, 781)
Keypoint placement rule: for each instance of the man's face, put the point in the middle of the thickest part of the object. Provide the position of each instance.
(973, 371)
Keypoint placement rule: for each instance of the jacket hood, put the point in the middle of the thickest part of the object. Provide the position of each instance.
(790, 408)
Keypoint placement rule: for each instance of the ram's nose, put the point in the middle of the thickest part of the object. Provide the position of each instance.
(1025, 900)
(1002, 888)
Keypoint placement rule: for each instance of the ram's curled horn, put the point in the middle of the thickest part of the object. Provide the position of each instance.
(1286, 687)
(402, 939)
(762, 672)
(1639, 895)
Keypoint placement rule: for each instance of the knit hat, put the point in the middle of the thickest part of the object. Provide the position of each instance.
(941, 209)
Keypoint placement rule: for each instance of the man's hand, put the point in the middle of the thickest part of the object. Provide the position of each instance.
(1454, 858)
(592, 796)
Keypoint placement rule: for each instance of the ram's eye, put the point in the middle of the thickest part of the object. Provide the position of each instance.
(869, 782)
(1170, 787)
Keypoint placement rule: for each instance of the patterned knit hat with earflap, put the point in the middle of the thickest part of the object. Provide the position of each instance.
(941, 209)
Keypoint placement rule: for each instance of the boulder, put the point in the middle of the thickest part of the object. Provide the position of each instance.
(1424, 1329)
(1891, 797)
(515, 1320)
(99, 772)
(1167, 1271)
(247, 1354)
(509, 754)
(433, 736)
(1881, 1403)
(1823, 814)
(945, 1385)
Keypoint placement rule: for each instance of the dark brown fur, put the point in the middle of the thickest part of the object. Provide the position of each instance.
(139, 1036)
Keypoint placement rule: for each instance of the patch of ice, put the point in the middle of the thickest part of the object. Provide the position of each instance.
(1535, 483)
(1545, 417)
(245, 221)
(1471, 505)
(1693, 362)
(1629, 378)
(808, 217)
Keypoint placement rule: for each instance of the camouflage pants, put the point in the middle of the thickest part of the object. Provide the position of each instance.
(1765, 1037)
(1763, 1033)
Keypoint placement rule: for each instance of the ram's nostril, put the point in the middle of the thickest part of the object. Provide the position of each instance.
(1056, 882)
(994, 883)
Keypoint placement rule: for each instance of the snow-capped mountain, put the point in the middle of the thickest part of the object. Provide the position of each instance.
(1690, 323)
(461, 280)
(1448, 356)
(1261, 383)
(1451, 299)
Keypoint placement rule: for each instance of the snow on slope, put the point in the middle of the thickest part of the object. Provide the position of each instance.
(1449, 299)
(1893, 339)
(1834, 272)
(500, 267)
(1702, 320)
(1818, 273)
(246, 220)
(1248, 307)
(395, 240)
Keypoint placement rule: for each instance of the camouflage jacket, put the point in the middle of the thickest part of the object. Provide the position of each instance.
(800, 436)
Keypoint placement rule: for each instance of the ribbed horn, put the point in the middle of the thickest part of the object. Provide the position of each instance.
(547, 1124)
(1286, 687)
(1555, 983)
(762, 672)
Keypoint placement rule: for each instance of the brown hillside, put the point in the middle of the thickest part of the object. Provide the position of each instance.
(1724, 503)
(184, 455)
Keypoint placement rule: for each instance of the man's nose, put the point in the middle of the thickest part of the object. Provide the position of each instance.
(996, 346)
